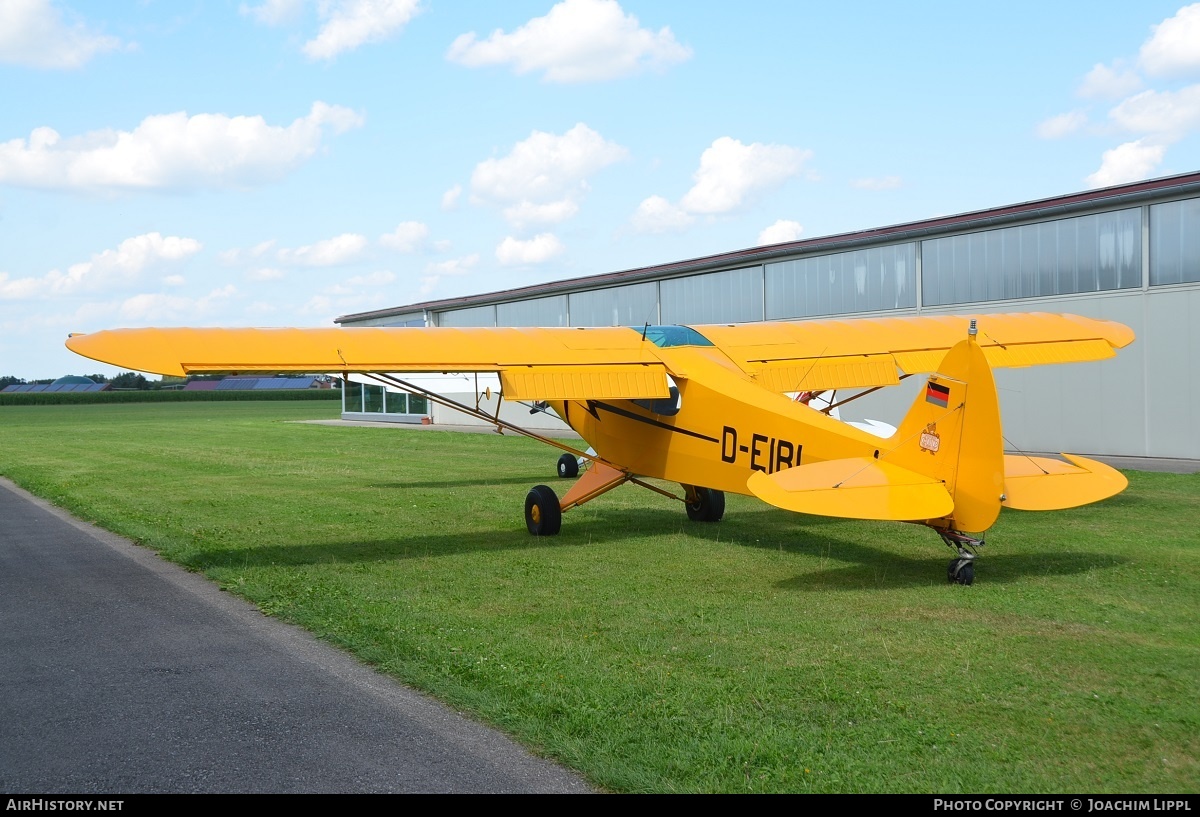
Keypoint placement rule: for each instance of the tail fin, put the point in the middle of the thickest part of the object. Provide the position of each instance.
(947, 464)
(952, 434)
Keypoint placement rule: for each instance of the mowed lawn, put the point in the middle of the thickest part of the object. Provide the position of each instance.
(768, 653)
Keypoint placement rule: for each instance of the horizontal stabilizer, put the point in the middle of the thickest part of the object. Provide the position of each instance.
(854, 488)
(1043, 484)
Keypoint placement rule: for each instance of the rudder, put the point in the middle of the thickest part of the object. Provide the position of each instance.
(952, 433)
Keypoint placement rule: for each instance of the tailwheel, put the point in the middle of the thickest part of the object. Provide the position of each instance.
(543, 515)
(704, 504)
(568, 466)
(961, 569)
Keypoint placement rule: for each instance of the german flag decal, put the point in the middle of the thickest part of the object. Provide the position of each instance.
(937, 394)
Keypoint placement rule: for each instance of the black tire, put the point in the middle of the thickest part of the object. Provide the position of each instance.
(568, 466)
(961, 571)
(708, 507)
(543, 515)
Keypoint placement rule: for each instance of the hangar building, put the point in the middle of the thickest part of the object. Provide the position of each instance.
(1129, 253)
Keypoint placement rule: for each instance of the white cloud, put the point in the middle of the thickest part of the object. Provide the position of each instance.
(265, 274)
(161, 308)
(453, 266)
(577, 41)
(351, 23)
(372, 279)
(237, 256)
(730, 174)
(408, 236)
(1174, 47)
(172, 151)
(1130, 162)
(105, 270)
(1169, 113)
(526, 213)
(877, 183)
(540, 248)
(731, 171)
(274, 12)
(174, 280)
(1104, 82)
(780, 232)
(1061, 125)
(657, 215)
(450, 197)
(543, 176)
(34, 34)
(331, 252)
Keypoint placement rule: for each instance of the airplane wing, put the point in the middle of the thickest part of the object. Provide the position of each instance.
(533, 364)
(865, 352)
(615, 362)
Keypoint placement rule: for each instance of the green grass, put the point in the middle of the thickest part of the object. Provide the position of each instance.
(768, 653)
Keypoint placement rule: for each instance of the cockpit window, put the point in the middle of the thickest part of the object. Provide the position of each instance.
(667, 336)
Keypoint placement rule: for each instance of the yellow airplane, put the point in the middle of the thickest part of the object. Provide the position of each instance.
(710, 407)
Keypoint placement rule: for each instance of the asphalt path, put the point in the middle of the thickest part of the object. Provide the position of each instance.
(121, 673)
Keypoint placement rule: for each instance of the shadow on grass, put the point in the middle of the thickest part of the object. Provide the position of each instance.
(874, 569)
(603, 529)
(480, 482)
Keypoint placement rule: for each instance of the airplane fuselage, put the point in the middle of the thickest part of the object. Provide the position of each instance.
(726, 427)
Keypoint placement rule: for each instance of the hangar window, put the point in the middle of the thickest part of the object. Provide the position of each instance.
(1175, 242)
(1083, 254)
(866, 280)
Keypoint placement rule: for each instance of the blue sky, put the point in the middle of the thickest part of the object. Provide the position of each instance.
(281, 163)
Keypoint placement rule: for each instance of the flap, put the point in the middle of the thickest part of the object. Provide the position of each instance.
(854, 488)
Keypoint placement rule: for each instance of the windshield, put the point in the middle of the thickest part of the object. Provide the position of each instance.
(667, 336)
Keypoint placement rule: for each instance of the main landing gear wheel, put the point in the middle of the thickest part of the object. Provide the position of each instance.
(568, 466)
(543, 515)
(708, 506)
(961, 571)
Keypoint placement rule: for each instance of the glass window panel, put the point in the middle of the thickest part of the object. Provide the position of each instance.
(418, 404)
(857, 281)
(993, 266)
(395, 402)
(1175, 242)
(1087, 244)
(1166, 243)
(1068, 253)
(1081, 254)
(976, 266)
(1029, 260)
(1129, 241)
(352, 396)
(473, 316)
(551, 311)
(634, 305)
(1106, 269)
(732, 296)
(372, 398)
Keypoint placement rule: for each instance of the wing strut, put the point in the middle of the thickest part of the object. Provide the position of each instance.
(479, 414)
(607, 475)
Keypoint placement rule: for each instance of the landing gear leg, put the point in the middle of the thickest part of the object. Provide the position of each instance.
(961, 569)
